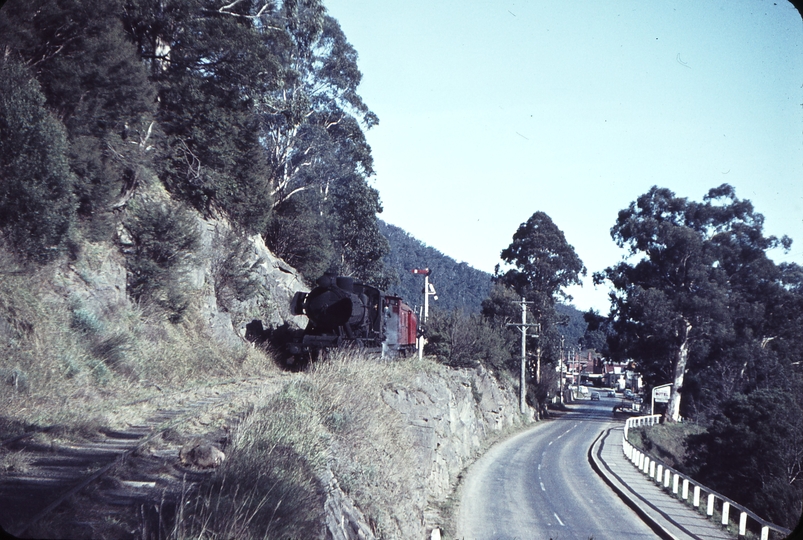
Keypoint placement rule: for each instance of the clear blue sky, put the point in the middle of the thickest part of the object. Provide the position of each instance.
(492, 110)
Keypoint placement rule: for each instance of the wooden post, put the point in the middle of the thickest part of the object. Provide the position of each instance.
(523, 374)
(560, 372)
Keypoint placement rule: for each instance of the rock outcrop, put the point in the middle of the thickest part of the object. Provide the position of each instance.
(450, 416)
(276, 281)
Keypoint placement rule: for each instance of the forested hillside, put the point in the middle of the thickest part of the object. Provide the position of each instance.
(459, 286)
(247, 110)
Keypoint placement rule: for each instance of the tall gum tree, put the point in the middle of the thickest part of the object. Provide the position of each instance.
(543, 264)
(687, 273)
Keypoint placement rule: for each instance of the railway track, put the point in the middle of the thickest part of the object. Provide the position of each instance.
(122, 482)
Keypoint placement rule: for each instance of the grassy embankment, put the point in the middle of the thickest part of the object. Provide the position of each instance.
(666, 442)
(67, 366)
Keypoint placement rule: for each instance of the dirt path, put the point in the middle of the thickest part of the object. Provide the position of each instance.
(123, 482)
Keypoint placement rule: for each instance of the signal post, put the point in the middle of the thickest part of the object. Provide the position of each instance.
(429, 290)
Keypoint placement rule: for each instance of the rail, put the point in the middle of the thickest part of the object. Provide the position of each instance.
(678, 485)
(118, 449)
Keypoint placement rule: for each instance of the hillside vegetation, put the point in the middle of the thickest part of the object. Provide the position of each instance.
(172, 169)
(459, 286)
(148, 151)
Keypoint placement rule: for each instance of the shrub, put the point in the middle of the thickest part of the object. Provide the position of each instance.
(165, 236)
(37, 209)
(235, 278)
(753, 453)
(458, 339)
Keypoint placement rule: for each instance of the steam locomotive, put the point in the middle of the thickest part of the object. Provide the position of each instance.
(344, 313)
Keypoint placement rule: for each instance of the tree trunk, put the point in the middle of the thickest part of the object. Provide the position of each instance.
(681, 357)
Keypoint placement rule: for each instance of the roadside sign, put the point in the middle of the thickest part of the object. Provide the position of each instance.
(661, 394)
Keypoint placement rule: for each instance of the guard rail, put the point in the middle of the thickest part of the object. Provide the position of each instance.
(679, 485)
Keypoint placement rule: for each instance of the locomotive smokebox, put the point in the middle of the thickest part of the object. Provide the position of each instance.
(346, 283)
(331, 308)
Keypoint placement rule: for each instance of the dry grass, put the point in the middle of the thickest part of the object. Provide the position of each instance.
(268, 486)
(14, 462)
(332, 418)
(63, 359)
(666, 442)
(372, 452)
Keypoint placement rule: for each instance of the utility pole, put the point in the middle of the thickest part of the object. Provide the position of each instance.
(560, 372)
(523, 328)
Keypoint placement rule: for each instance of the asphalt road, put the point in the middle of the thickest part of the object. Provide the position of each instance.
(539, 485)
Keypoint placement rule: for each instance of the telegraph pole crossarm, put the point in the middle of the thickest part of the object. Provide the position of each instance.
(522, 326)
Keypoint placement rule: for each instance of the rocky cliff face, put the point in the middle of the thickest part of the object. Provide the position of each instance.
(277, 283)
(450, 417)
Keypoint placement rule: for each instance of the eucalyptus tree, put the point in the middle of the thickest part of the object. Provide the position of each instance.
(313, 129)
(316, 109)
(543, 264)
(696, 287)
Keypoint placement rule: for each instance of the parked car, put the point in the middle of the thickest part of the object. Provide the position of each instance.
(594, 396)
(629, 394)
(611, 393)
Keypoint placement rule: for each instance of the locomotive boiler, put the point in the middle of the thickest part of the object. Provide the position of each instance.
(345, 313)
